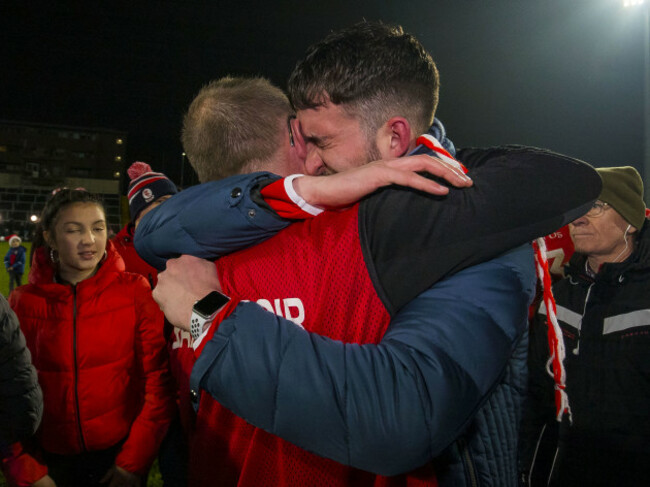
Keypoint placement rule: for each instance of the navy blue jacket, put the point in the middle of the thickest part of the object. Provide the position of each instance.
(446, 382)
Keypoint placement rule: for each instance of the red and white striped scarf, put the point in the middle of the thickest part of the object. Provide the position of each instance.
(555, 364)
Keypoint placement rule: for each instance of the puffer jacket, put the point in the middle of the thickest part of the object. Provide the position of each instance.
(101, 359)
(21, 400)
(605, 323)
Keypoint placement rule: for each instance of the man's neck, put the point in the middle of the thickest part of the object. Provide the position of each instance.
(595, 262)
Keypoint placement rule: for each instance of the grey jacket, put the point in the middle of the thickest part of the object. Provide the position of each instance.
(21, 399)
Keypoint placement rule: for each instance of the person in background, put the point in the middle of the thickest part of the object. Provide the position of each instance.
(21, 399)
(603, 310)
(95, 335)
(147, 190)
(15, 261)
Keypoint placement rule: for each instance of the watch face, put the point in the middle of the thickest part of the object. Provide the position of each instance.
(211, 303)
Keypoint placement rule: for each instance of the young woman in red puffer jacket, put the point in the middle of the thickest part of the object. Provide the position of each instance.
(96, 340)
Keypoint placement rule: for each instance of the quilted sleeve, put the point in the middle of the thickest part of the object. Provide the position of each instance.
(21, 400)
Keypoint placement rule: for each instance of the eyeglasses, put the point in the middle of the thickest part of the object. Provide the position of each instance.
(597, 209)
(291, 141)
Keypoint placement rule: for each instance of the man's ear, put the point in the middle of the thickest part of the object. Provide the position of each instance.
(394, 138)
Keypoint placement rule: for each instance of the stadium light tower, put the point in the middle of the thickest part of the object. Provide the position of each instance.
(644, 5)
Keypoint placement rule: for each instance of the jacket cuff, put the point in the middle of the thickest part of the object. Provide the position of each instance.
(211, 344)
(20, 467)
(207, 335)
(283, 199)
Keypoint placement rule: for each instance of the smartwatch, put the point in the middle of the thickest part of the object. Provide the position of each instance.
(204, 311)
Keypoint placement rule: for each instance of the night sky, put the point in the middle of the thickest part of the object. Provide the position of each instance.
(561, 74)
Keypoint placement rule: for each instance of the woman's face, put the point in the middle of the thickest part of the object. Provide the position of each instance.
(79, 237)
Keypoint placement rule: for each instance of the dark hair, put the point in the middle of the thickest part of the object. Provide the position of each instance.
(61, 199)
(376, 71)
(232, 123)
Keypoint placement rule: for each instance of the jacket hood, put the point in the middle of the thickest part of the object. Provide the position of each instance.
(43, 270)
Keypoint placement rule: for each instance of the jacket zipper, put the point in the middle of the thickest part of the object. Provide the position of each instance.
(76, 369)
(469, 464)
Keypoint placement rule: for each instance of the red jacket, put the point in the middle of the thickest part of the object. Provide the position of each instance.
(101, 359)
(123, 242)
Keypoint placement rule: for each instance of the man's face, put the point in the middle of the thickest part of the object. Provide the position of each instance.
(600, 236)
(334, 140)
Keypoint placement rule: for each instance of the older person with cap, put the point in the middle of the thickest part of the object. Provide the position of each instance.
(147, 190)
(603, 310)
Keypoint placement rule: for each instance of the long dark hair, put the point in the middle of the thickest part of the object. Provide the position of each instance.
(61, 199)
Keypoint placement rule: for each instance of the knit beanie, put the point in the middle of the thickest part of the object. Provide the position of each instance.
(623, 191)
(146, 187)
(13, 237)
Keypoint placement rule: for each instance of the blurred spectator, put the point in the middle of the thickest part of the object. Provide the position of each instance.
(603, 309)
(15, 261)
(147, 190)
